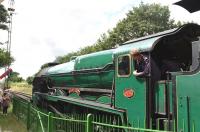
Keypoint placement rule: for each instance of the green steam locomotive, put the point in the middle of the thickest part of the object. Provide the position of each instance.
(103, 82)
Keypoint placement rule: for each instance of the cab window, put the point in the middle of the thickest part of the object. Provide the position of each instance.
(124, 65)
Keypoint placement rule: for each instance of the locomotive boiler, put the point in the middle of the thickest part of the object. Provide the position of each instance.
(103, 82)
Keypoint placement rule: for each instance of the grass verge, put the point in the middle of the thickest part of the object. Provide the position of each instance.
(21, 87)
(9, 123)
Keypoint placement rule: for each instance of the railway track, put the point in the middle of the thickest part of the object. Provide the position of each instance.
(22, 95)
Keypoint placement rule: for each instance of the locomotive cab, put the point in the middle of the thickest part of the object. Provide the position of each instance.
(170, 53)
(174, 55)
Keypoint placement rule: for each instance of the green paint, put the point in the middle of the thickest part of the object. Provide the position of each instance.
(84, 103)
(160, 97)
(50, 123)
(89, 80)
(28, 116)
(188, 86)
(40, 120)
(94, 60)
(89, 126)
(134, 106)
(104, 99)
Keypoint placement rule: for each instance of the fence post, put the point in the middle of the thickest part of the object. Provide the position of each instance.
(17, 108)
(50, 122)
(89, 125)
(13, 105)
(28, 115)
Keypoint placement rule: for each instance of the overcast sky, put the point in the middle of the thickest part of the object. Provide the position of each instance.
(45, 29)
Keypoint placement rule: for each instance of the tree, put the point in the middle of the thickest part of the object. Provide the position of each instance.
(140, 21)
(14, 77)
(29, 80)
(3, 18)
(5, 58)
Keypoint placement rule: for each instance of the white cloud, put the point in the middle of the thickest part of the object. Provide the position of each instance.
(179, 13)
(44, 29)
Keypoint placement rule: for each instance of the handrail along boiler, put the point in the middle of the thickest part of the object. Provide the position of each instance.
(103, 82)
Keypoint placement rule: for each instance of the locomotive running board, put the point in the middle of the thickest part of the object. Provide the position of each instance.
(99, 90)
(83, 103)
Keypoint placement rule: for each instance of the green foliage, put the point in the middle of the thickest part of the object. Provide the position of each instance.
(67, 57)
(29, 80)
(44, 66)
(5, 58)
(14, 77)
(49, 64)
(3, 17)
(140, 21)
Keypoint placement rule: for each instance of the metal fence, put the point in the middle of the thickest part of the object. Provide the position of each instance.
(38, 121)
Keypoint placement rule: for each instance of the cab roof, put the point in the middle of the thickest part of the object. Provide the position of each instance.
(147, 43)
(190, 5)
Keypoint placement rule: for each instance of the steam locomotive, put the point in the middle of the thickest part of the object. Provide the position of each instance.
(166, 99)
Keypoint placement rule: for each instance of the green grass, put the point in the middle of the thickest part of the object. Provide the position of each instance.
(21, 87)
(9, 123)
